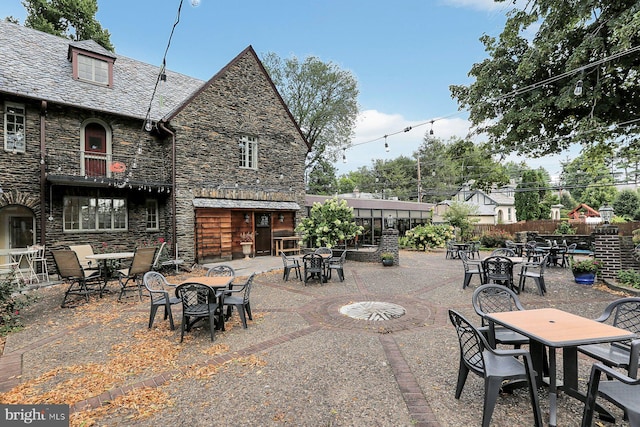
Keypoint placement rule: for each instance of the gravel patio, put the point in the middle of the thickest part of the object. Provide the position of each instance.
(301, 362)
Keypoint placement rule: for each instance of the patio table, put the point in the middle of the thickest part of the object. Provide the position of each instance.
(552, 328)
(105, 257)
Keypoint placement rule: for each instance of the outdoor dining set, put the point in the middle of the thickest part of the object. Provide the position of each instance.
(316, 265)
(212, 296)
(612, 341)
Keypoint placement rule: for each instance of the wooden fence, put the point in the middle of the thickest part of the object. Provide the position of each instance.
(549, 226)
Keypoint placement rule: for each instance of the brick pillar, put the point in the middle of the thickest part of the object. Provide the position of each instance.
(389, 243)
(608, 251)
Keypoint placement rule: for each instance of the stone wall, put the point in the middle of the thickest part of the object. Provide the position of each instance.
(615, 252)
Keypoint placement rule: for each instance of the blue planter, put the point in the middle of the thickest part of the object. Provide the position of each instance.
(585, 278)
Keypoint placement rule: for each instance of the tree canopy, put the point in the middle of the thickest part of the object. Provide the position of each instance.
(73, 19)
(525, 97)
(323, 100)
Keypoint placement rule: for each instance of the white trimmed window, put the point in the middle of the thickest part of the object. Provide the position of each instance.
(93, 69)
(94, 213)
(248, 152)
(14, 137)
(152, 215)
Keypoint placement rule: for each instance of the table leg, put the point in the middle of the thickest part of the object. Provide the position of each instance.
(553, 391)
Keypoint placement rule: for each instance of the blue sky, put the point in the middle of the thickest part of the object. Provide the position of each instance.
(404, 54)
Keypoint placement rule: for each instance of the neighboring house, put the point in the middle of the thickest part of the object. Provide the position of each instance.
(495, 207)
(86, 157)
(373, 214)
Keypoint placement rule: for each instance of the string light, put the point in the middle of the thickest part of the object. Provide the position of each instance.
(386, 145)
(578, 89)
(431, 130)
(344, 155)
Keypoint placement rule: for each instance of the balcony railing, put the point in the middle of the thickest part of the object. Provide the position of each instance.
(138, 169)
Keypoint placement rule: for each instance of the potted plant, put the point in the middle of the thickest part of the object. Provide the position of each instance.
(585, 271)
(387, 259)
(246, 240)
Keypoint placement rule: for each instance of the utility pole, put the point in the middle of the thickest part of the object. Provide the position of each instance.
(419, 182)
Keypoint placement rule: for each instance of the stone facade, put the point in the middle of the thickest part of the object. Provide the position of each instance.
(205, 125)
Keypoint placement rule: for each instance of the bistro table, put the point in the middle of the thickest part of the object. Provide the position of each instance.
(26, 255)
(105, 257)
(218, 284)
(553, 328)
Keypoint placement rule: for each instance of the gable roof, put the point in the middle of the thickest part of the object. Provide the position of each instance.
(589, 211)
(36, 66)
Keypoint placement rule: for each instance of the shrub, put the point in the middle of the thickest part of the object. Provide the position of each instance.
(564, 228)
(629, 278)
(495, 239)
(11, 302)
(636, 236)
(429, 236)
(329, 223)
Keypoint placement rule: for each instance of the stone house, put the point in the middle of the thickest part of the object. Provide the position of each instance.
(88, 155)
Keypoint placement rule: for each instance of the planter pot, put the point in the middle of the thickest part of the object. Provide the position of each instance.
(387, 262)
(246, 249)
(585, 278)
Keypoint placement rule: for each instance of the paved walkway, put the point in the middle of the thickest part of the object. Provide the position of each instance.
(356, 372)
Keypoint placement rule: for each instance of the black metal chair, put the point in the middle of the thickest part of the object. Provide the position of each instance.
(495, 299)
(470, 268)
(160, 292)
(621, 390)
(623, 313)
(130, 278)
(198, 302)
(452, 250)
(241, 300)
(494, 366)
(314, 266)
(82, 282)
(290, 263)
(535, 271)
(498, 269)
(337, 263)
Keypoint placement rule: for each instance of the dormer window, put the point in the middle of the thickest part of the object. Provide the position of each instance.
(92, 63)
(93, 70)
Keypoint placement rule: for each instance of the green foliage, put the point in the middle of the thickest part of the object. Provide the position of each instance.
(11, 303)
(510, 102)
(61, 17)
(329, 223)
(387, 255)
(588, 265)
(495, 238)
(626, 203)
(636, 236)
(458, 215)
(564, 228)
(531, 191)
(322, 178)
(429, 236)
(323, 100)
(630, 278)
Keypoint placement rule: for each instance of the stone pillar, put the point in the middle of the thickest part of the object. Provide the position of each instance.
(389, 243)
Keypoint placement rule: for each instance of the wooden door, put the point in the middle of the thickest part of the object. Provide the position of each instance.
(263, 233)
(95, 150)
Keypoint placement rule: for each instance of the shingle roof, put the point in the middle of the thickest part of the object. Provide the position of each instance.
(35, 64)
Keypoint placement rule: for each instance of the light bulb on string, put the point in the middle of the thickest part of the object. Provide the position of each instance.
(344, 155)
(577, 91)
(386, 144)
(431, 130)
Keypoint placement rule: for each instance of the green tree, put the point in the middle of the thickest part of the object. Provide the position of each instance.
(329, 223)
(322, 178)
(527, 197)
(626, 203)
(322, 99)
(460, 215)
(524, 96)
(73, 19)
